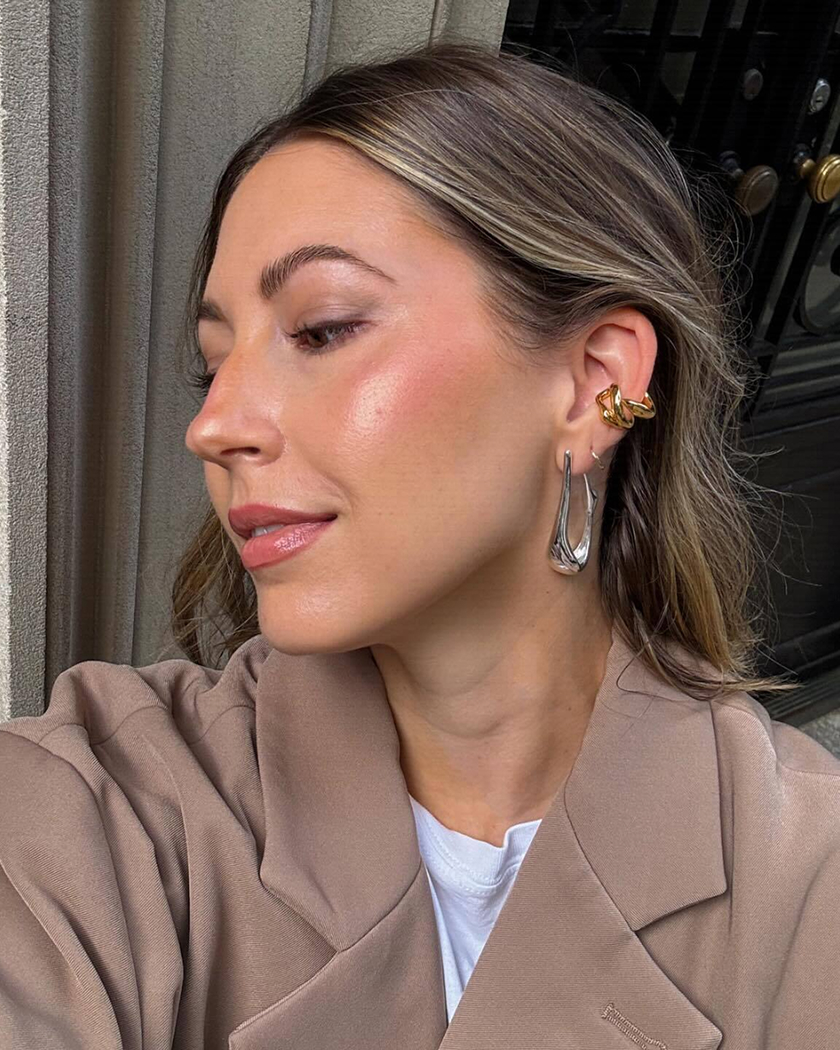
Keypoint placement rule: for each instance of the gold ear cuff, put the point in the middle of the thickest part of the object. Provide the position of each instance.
(612, 406)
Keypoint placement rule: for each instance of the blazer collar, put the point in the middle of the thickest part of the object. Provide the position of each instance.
(336, 802)
(633, 835)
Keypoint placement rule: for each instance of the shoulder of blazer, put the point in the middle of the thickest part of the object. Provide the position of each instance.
(94, 867)
(120, 748)
(780, 791)
(99, 696)
(117, 750)
(744, 721)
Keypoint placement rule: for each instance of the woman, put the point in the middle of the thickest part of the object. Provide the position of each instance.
(468, 347)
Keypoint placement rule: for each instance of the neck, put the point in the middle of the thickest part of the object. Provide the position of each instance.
(491, 713)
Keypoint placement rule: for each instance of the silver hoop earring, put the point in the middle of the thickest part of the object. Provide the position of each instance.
(598, 459)
(563, 557)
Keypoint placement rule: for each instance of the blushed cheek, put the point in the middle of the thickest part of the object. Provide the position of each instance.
(418, 403)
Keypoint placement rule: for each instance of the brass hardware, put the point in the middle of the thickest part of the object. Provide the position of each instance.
(823, 176)
(757, 188)
(754, 189)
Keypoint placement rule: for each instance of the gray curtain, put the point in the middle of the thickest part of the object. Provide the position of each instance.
(117, 117)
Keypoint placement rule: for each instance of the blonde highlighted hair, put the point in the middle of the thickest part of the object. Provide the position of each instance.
(573, 205)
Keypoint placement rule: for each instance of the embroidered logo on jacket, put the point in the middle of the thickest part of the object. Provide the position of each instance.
(630, 1030)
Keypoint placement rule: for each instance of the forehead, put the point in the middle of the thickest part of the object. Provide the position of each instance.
(315, 190)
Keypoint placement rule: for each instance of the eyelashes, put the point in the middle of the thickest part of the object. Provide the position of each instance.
(202, 380)
(344, 328)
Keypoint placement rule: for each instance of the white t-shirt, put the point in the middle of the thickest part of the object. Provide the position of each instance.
(469, 880)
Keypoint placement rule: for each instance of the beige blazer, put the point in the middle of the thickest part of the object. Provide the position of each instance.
(202, 859)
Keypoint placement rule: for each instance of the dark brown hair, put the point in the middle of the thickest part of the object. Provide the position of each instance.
(574, 205)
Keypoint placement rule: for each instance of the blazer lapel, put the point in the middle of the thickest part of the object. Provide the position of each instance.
(633, 835)
(341, 850)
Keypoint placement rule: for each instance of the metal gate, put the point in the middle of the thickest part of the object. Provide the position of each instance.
(750, 92)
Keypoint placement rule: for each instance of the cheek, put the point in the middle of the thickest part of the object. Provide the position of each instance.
(217, 483)
(415, 406)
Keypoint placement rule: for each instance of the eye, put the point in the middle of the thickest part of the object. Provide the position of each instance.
(343, 328)
(203, 380)
(200, 381)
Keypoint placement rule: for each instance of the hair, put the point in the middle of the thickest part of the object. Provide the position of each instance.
(573, 205)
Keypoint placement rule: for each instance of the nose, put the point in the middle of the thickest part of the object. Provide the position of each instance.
(236, 420)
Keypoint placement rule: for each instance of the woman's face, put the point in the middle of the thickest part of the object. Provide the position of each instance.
(436, 453)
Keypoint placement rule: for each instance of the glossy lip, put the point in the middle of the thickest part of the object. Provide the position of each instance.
(249, 516)
(282, 543)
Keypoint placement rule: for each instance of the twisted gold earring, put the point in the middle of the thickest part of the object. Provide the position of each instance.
(613, 412)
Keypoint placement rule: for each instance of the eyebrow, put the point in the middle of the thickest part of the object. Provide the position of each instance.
(278, 272)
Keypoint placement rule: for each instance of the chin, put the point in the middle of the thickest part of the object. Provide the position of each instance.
(301, 636)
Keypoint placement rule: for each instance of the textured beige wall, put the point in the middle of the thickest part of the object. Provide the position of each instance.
(117, 119)
(24, 292)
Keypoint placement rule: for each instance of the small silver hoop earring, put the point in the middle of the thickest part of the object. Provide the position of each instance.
(563, 557)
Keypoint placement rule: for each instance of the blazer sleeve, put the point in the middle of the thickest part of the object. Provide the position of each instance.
(90, 957)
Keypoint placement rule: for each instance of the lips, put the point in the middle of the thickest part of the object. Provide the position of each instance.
(281, 544)
(244, 519)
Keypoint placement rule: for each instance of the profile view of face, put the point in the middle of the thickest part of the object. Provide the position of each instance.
(436, 452)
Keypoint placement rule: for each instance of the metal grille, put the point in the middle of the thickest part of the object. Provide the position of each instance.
(748, 93)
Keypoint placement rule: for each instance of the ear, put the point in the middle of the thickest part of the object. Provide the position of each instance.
(620, 349)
